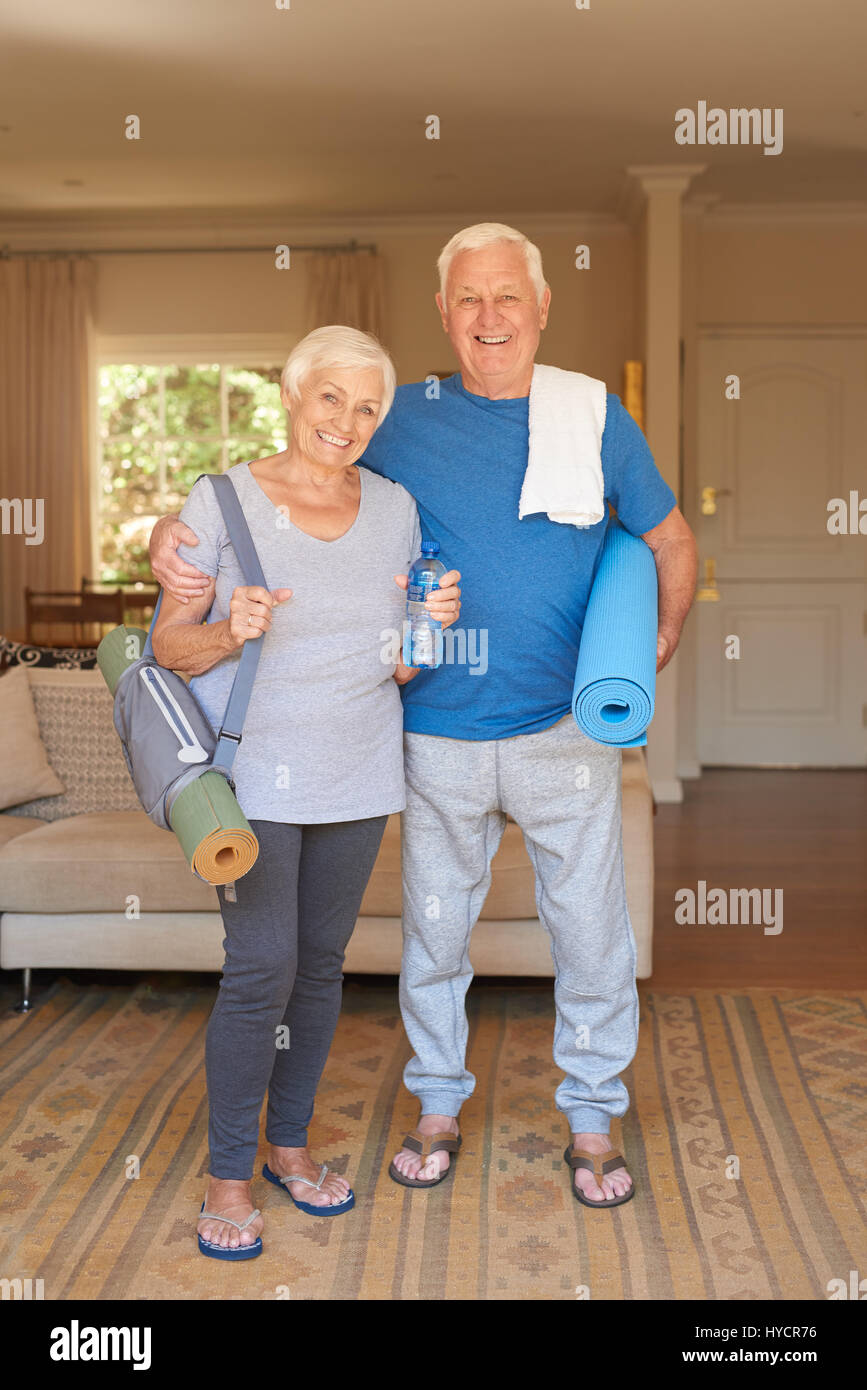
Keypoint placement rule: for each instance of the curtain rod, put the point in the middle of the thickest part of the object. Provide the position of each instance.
(7, 254)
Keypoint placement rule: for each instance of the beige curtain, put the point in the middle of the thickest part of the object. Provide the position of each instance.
(45, 324)
(345, 287)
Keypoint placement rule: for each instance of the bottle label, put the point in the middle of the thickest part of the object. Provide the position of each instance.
(418, 592)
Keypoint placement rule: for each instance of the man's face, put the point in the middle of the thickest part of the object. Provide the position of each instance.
(492, 316)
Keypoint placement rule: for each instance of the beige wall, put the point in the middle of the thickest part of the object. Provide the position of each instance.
(593, 325)
(188, 293)
(767, 272)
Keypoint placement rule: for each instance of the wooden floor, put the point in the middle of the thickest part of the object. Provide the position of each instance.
(804, 832)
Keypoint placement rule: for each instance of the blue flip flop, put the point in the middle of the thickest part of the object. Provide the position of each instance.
(338, 1210)
(224, 1252)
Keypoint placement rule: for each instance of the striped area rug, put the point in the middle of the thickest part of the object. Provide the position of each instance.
(746, 1138)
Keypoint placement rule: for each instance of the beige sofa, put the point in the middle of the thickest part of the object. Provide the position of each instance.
(87, 881)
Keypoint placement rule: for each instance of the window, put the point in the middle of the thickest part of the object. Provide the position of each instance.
(160, 426)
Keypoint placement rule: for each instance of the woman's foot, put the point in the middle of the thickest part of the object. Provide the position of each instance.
(614, 1184)
(282, 1162)
(412, 1165)
(230, 1198)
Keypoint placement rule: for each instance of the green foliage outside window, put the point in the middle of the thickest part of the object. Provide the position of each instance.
(160, 427)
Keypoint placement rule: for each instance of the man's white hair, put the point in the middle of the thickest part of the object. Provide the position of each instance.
(486, 234)
(338, 346)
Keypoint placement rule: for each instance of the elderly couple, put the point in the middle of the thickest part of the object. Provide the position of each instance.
(336, 739)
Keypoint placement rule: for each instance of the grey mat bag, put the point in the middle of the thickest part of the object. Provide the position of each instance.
(167, 739)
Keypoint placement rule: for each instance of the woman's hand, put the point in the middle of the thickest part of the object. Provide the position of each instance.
(444, 604)
(250, 611)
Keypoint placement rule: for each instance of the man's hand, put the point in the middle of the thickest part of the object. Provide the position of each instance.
(179, 579)
(666, 646)
(444, 604)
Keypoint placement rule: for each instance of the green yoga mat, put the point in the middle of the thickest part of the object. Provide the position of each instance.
(210, 826)
(118, 650)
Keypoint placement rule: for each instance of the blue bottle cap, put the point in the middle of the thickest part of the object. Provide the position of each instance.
(430, 547)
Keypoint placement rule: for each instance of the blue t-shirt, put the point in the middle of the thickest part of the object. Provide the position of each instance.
(524, 584)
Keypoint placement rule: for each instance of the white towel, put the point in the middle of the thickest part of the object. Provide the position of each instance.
(564, 468)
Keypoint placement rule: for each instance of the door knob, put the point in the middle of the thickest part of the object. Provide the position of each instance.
(709, 496)
(708, 591)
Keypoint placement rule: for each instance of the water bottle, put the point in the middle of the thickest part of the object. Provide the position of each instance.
(422, 635)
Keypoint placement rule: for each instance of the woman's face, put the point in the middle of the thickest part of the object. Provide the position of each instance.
(338, 412)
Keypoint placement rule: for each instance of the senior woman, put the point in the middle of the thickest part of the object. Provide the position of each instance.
(319, 768)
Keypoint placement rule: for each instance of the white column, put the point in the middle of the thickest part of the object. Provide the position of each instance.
(660, 190)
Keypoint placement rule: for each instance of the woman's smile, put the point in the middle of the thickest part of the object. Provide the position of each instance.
(339, 441)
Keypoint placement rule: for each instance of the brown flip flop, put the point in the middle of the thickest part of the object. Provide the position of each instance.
(425, 1145)
(598, 1165)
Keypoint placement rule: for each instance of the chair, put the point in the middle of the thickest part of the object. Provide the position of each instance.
(73, 608)
(137, 598)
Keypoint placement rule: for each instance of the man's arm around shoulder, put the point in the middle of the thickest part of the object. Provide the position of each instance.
(179, 579)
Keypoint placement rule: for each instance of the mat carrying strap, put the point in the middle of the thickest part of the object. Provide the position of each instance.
(242, 687)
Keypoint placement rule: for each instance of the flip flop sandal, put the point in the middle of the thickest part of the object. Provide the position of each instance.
(425, 1145)
(598, 1165)
(225, 1252)
(335, 1210)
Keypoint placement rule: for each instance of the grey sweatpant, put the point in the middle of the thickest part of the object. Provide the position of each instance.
(563, 790)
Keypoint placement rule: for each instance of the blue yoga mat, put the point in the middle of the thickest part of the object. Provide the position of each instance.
(615, 681)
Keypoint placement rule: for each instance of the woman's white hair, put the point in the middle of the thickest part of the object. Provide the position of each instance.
(336, 345)
(486, 234)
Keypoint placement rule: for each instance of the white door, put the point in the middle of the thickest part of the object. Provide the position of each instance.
(793, 594)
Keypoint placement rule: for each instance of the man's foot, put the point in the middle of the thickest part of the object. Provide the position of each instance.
(231, 1198)
(614, 1184)
(412, 1165)
(282, 1162)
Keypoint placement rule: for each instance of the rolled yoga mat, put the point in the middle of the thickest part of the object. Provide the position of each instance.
(615, 680)
(213, 830)
(210, 826)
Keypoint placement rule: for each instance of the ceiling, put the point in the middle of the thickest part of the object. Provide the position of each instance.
(318, 110)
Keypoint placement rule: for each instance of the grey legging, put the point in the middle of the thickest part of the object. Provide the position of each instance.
(285, 940)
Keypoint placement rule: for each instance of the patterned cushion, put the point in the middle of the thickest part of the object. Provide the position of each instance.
(74, 711)
(57, 658)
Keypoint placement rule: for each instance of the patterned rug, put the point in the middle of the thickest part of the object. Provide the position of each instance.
(746, 1138)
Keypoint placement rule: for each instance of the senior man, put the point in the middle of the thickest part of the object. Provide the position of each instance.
(483, 744)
